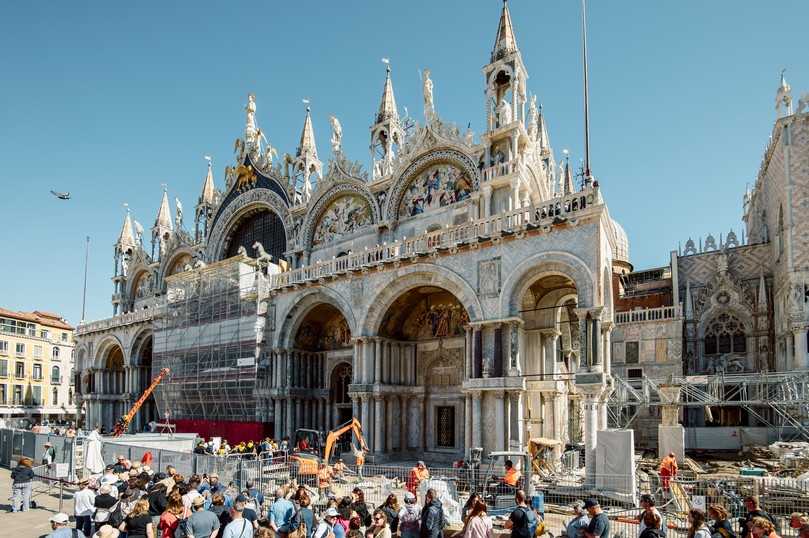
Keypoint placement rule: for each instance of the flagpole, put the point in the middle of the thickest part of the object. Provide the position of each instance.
(588, 178)
(84, 291)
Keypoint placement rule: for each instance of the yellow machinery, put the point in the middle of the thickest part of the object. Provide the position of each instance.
(311, 447)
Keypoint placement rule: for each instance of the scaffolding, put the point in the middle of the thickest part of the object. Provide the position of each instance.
(777, 400)
(207, 338)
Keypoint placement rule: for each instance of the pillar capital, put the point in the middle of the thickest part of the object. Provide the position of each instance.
(476, 395)
(550, 332)
(594, 312)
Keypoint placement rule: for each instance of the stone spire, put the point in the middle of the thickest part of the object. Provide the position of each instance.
(163, 219)
(387, 107)
(126, 240)
(208, 189)
(783, 97)
(568, 186)
(386, 132)
(505, 43)
(307, 146)
(762, 294)
(163, 226)
(306, 162)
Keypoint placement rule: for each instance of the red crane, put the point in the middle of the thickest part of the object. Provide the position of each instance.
(123, 423)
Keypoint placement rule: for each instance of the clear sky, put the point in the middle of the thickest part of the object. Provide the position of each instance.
(109, 100)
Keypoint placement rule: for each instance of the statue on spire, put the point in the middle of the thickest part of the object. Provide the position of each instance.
(250, 127)
(783, 97)
(336, 135)
(533, 118)
(429, 109)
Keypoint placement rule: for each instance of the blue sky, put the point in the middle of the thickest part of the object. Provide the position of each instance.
(109, 101)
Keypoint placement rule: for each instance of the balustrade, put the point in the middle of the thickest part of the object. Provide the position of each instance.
(648, 314)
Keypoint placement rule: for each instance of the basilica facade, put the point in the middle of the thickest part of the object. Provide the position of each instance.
(465, 291)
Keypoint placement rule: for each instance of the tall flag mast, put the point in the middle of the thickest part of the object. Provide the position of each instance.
(588, 176)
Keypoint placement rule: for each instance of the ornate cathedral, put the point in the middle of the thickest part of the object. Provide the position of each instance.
(465, 291)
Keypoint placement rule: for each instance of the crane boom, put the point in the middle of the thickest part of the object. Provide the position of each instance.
(123, 423)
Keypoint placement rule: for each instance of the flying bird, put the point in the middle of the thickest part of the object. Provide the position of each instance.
(61, 195)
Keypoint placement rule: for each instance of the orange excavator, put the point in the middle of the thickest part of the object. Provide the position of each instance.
(123, 423)
(312, 447)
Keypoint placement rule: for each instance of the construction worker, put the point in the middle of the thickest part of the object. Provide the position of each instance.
(668, 469)
(324, 476)
(339, 468)
(359, 458)
(512, 476)
(417, 474)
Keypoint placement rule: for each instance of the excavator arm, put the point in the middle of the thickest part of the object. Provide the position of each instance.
(354, 426)
(123, 423)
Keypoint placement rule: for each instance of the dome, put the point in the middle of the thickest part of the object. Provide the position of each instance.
(620, 243)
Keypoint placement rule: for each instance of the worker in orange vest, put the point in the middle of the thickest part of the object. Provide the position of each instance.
(668, 469)
(417, 474)
(324, 476)
(512, 475)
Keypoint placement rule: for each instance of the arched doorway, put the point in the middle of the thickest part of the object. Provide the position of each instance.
(107, 387)
(142, 378)
(551, 347)
(420, 350)
(314, 383)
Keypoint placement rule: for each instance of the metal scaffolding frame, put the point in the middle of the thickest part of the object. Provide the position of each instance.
(207, 338)
(778, 400)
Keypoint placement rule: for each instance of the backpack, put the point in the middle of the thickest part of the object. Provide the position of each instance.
(531, 520)
(184, 529)
(107, 515)
(252, 503)
(409, 520)
(297, 526)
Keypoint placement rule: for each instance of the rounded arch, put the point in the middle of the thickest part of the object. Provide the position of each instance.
(325, 201)
(109, 344)
(141, 348)
(175, 262)
(415, 276)
(339, 378)
(443, 155)
(296, 313)
(246, 203)
(81, 358)
(546, 264)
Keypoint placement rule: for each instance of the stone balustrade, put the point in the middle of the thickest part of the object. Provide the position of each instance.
(120, 320)
(530, 217)
(648, 314)
(499, 170)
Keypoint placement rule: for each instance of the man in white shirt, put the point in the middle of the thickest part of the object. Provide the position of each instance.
(193, 493)
(85, 507)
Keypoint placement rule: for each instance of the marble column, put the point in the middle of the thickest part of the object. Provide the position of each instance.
(477, 420)
(404, 402)
(516, 414)
(423, 420)
(590, 436)
(467, 424)
(550, 338)
(378, 361)
(468, 352)
(356, 365)
(379, 424)
(368, 361)
(801, 354)
(500, 422)
(367, 424)
(385, 359)
(390, 412)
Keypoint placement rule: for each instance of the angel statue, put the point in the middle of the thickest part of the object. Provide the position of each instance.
(429, 110)
(269, 153)
(504, 113)
(138, 232)
(179, 217)
(250, 127)
(336, 135)
(533, 118)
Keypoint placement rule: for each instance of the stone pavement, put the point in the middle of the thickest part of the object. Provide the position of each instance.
(34, 523)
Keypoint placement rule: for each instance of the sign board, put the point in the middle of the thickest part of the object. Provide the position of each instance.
(62, 470)
(246, 361)
(698, 502)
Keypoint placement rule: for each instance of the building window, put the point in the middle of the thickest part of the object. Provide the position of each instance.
(55, 375)
(725, 334)
(445, 427)
(43, 334)
(3, 368)
(3, 347)
(632, 353)
(70, 397)
(38, 372)
(55, 354)
(37, 352)
(19, 370)
(3, 395)
(36, 396)
(20, 349)
(17, 394)
(634, 373)
(64, 337)
(55, 396)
